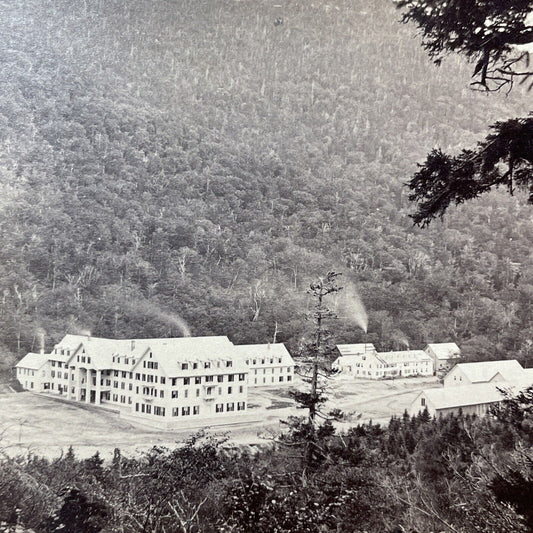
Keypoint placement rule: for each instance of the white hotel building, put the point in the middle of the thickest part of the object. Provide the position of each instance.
(364, 361)
(269, 364)
(161, 381)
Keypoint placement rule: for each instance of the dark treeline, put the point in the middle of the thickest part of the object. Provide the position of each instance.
(456, 474)
(207, 159)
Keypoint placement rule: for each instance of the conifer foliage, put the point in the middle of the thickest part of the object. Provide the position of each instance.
(487, 33)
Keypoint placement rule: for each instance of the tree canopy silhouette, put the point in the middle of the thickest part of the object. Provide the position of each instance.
(491, 35)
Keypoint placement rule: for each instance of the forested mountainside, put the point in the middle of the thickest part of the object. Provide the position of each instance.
(207, 159)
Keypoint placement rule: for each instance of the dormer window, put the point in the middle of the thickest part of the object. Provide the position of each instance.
(207, 364)
(184, 366)
(229, 363)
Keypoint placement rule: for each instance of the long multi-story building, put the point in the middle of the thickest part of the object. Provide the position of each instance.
(162, 380)
(364, 361)
(268, 364)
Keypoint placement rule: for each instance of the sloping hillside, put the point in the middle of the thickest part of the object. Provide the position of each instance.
(205, 160)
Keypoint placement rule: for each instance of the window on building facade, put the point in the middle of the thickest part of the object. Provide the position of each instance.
(230, 406)
(220, 379)
(163, 380)
(184, 366)
(241, 406)
(185, 411)
(174, 394)
(242, 377)
(219, 408)
(230, 389)
(197, 380)
(231, 377)
(196, 410)
(175, 411)
(195, 366)
(186, 381)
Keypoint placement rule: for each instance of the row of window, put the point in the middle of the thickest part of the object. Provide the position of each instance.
(209, 391)
(147, 408)
(273, 380)
(123, 399)
(262, 361)
(230, 406)
(186, 411)
(205, 364)
(122, 373)
(127, 360)
(256, 371)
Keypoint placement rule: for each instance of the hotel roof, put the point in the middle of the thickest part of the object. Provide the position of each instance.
(404, 356)
(452, 397)
(263, 350)
(445, 350)
(484, 371)
(167, 350)
(347, 350)
(33, 361)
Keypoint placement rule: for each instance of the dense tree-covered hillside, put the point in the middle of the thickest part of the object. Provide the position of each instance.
(205, 160)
